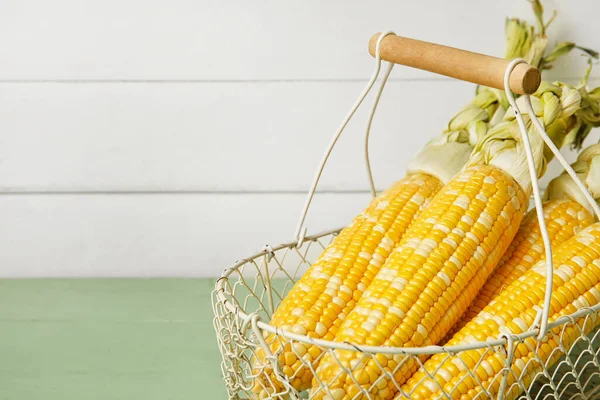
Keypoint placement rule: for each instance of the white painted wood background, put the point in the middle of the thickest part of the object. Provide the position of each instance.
(153, 138)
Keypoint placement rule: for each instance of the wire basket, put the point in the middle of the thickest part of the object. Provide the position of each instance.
(558, 360)
(249, 292)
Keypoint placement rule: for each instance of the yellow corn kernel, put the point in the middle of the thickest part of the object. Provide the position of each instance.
(564, 218)
(318, 302)
(453, 225)
(583, 281)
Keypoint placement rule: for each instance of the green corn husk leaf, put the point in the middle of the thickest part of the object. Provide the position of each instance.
(519, 36)
(568, 113)
(590, 52)
(588, 114)
(551, 110)
(522, 41)
(590, 109)
(562, 49)
(594, 94)
(535, 55)
(503, 148)
(489, 107)
(489, 104)
(587, 168)
(570, 100)
(538, 11)
(486, 97)
(539, 42)
(477, 131)
(592, 179)
(563, 132)
(466, 116)
(552, 87)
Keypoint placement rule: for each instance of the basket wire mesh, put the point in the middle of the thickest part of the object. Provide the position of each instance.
(562, 357)
(249, 292)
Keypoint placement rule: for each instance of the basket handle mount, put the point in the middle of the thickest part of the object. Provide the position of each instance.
(456, 63)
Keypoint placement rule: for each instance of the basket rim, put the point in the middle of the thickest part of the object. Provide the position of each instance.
(221, 293)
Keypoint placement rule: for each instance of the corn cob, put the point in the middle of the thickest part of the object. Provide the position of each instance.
(447, 252)
(318, 303)
(566, 211)
(440, 300)
(320, 300)
(328, 291)
(563, 220)
(576, 284)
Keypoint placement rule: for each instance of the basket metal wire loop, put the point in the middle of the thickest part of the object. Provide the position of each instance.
(248, 293)
(543, 328)
(537, 196)
(510, 353)
(300, 229)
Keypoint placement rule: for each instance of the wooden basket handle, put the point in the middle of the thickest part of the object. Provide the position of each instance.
(456, 63)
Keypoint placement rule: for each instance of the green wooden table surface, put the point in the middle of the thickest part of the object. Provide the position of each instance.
(108, 339)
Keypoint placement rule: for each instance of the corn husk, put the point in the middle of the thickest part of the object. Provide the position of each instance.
(446, 155)
(587, 167)
(558, 106)
(503, 148)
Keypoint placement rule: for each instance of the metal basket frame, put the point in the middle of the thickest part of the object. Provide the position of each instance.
(239, 331)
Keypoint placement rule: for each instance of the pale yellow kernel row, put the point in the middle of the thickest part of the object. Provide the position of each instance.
(576, 285)
(319, 302)
(449, 250)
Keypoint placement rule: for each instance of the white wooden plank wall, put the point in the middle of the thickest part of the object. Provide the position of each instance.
(152, 138)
